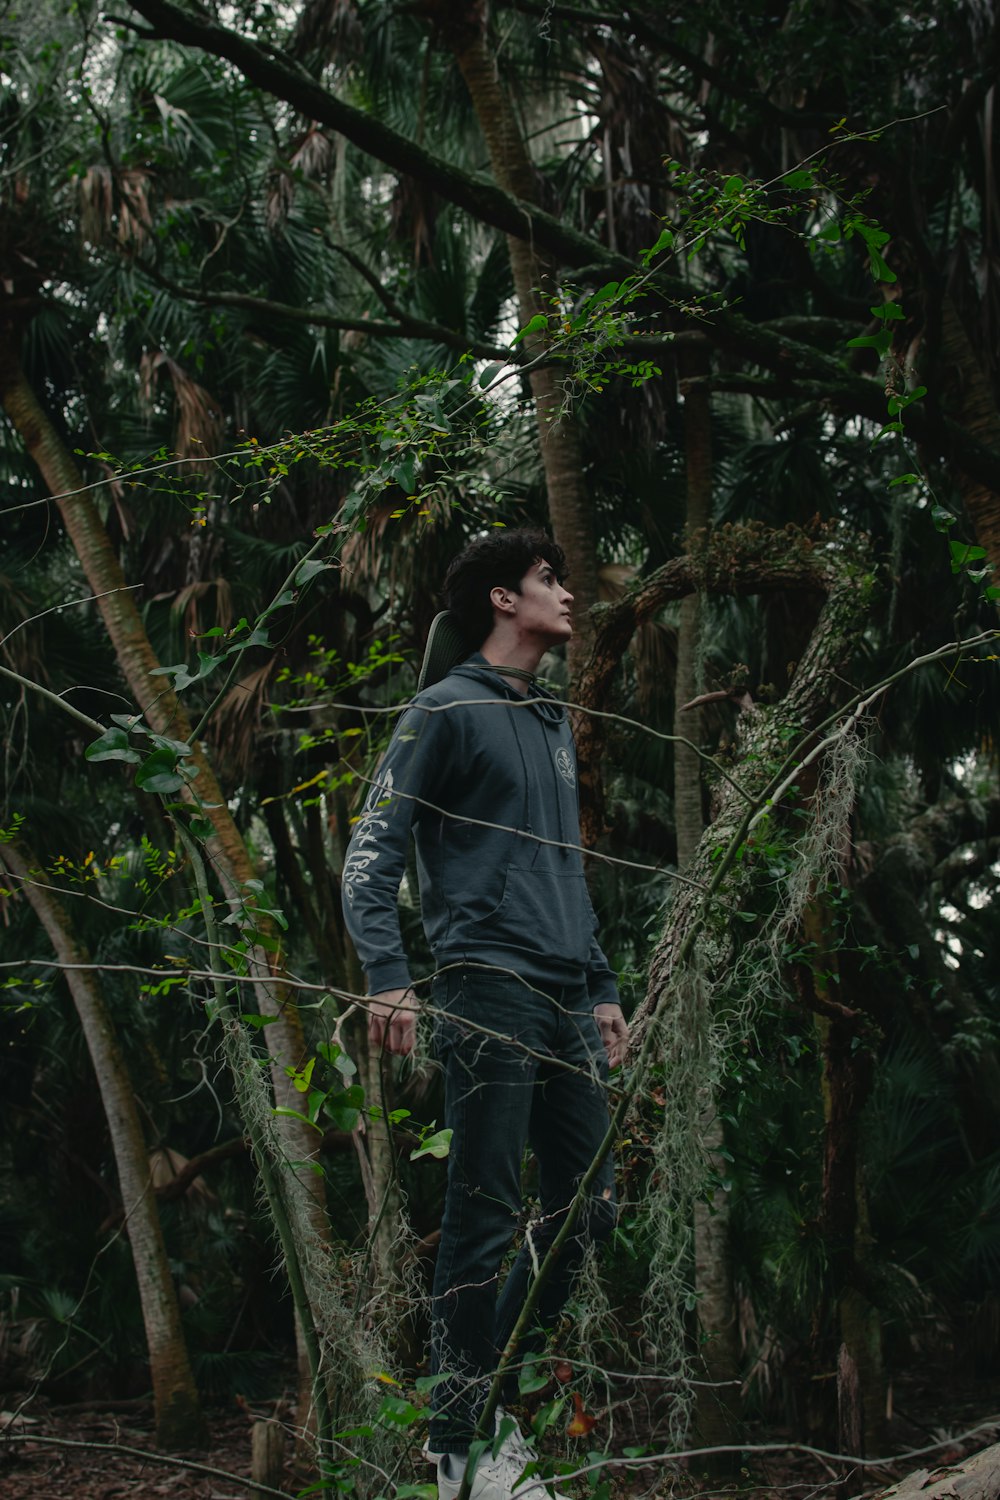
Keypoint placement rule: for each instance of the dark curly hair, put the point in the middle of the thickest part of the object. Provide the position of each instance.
(498, 560)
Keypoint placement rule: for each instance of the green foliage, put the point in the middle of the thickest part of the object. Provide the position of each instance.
(289, 490)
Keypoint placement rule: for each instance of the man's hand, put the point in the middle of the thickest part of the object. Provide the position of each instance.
(614, 1032)
(392, 1021)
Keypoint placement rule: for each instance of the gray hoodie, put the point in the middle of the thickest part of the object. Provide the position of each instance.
(486, 779)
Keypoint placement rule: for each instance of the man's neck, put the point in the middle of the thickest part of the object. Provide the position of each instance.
(500, 651)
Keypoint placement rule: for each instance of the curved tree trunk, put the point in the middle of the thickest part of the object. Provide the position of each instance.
(179, 1422)
(695, 989)
(464, 26)
(165, 714)
(713, 1280)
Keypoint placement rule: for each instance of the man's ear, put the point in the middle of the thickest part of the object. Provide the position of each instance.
(502, 599)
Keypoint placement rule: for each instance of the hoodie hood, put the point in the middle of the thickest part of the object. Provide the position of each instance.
(540, 701)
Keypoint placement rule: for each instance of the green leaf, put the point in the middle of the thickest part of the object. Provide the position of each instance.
(537, 324)
(158, 772)
(732, 186)
(438, 1144)
(179, 747)
(963, 553)
(405, 475)
(880, 270)
(529, 1379)
(900, 403)
(182, 674)
(873, 237)
(664, 242)
(904, 479)
(258, 1021)
(830, 231)
(310, 569)
(424, 1384)
(294, 1114)
(992, 593)
(879, 341)
(609, 290)
(113, 745)
(798, 180)
(489, 375)
(942, 518)
(400, 1412)
(347, 1067)
(889, 312)
(344, 1108)
(302, 1078)
(287, 597)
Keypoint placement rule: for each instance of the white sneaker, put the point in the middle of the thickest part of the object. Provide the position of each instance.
(496, 1478)
(515, 1441)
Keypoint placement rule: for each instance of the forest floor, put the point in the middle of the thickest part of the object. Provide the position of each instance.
(935, 1408)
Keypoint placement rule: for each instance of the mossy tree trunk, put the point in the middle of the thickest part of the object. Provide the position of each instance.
(179, 1421)
(713, 1281)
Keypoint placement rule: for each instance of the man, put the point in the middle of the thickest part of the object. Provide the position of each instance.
(482, 767)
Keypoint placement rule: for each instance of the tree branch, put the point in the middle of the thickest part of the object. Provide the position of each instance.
(406, 328)
(791, 360)
(737, 560)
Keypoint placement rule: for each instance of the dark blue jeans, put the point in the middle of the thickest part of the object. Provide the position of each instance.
(500, 1095)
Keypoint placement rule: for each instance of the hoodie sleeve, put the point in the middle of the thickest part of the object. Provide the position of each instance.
(602, 981)
(376, 855)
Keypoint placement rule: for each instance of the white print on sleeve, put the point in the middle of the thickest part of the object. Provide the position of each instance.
(565, 766)
(360, 855)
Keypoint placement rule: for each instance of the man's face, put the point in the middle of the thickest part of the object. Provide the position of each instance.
(543, 605)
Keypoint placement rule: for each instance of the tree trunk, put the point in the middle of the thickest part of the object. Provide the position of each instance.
(688, 818)
(765, 731)
(385, 1204)
(700, 1010)
(165, 714)
(713, 1282)
(852, 1339)
(978, 415)
(715, 1414)
(179, 1422)
(570, 510)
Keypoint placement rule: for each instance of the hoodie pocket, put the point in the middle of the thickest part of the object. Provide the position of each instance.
(475, 864)
(545, 911)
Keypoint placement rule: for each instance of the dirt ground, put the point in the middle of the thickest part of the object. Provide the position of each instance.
(32, 1468)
